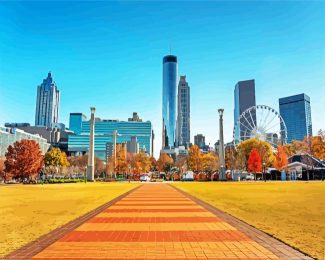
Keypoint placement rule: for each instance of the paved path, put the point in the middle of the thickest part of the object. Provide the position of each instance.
(155, 222)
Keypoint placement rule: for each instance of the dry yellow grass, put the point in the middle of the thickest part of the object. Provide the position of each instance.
(29, 211)
(294, 212)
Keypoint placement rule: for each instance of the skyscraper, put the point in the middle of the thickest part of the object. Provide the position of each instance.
(199, 140)
(183, 113)
(169, 101)
(244, 95)
(296, 113)
(47, 103)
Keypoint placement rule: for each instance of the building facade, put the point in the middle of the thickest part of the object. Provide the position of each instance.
(126, 131)
(132, 146)
(296, 113)
(47, 103)
(183, 113)
(244, 98)
(199, 140)
(56, 137)
(75, 122)
(9, 135)
(169, 101)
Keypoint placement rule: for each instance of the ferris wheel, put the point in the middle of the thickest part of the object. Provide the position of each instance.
(261, 122)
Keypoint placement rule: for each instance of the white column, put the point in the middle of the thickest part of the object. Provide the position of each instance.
(91, 156)
(114, 147)
(221, 147)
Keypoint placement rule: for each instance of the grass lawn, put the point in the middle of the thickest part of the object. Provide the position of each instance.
(29, 211)
(294, 212)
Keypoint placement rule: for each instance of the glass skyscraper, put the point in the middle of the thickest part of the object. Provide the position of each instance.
(296, 113)
(47, 103)
(183, 113)
(169, 101)
(126, 130)
(244, 95)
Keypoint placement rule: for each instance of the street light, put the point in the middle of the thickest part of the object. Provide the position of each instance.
(221, 144)
(264, 171)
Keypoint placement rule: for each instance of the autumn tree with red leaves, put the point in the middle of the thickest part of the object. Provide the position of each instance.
(281, 158)
(24, 159)
(254, 161)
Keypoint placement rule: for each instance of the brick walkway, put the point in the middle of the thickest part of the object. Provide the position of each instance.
(156, 221)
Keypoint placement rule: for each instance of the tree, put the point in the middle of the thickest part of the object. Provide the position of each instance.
(153, 162)
(195, 159)
(231, 157)
(54, 159)
(99, 166)
(254, 161)
(210, 162)
(264, 149)
(181, 163)
(318, 147)
(121, 162)
(140, 162)
(143, 162)
(80, 163)
(289, 149)
(24, 159)
(5, 176)
(313, 145)
(281, 158)
(165, 162)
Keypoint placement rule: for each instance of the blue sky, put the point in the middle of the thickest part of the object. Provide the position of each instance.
(109, 55)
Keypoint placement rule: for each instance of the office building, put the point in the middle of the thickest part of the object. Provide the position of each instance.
(55, 136)
(47, 103)
(126, 131)
(244, 95)
(199, 140)
(9, 135)
(132, 146)
(296, 113)
(183, 113)
(169, 101)
(75, 122)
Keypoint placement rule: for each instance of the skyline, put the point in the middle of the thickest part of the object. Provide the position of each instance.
(116, 48)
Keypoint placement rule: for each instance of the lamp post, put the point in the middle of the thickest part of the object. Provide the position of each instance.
(91, 158)
(264, 173)
(114, 153)
(221, 145)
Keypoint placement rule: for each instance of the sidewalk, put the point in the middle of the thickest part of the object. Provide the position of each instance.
(160, 222)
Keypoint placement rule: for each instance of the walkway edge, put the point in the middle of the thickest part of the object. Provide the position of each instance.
(273, 244)
(32, 248)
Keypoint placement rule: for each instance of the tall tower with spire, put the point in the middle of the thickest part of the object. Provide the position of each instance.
(47, 103)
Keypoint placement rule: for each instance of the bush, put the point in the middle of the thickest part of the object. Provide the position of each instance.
(54, 181)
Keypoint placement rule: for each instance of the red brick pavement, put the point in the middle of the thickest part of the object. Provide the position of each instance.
(157, 221)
